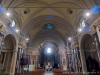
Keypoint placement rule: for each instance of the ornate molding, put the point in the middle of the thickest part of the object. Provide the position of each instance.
(21, 45)
(93, 29)
(94, 25)
(74, 45)
(2, 28)
(97, 24)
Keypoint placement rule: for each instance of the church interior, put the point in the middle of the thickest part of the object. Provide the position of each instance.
(49, 37)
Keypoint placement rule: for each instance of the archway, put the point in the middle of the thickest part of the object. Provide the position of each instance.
(90, 53)
(7, 53)
(49, 55)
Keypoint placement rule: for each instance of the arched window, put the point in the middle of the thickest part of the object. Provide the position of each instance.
(13, 24)
(82, 24)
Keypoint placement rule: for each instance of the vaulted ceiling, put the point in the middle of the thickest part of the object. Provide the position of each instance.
(31, 15)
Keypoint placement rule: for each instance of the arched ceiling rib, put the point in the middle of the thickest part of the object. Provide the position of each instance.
(47, 19)
(37, 5)
(49, 34)
(41, 39)
(48, 11)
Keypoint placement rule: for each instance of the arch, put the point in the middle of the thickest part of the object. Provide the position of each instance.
(52, 58)
(89, 52)
(44, 18)
(49, 35)
(83, 38)
(10, 38)
(49, 42)
(8, 49)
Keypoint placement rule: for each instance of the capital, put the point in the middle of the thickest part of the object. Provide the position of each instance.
(21, 45)
(74, 45)
(93, 29)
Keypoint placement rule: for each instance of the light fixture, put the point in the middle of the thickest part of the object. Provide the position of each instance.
(87, 14)
(69, 38)
(27, 39)
(8, 14)
(17, 30)
(49, 50)
(79, 30)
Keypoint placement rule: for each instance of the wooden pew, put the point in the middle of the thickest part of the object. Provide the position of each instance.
(58, 71)
(36, 72)
(62, 72)
(68, 74)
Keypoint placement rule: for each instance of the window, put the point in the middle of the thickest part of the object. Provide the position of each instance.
(82, 24)
(49, 50)
(13, 24)
(48, 26)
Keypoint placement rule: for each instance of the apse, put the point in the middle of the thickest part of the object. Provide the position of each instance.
(49, 53)
(49, 49)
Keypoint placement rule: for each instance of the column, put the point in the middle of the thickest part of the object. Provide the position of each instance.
(69, 58)
(13, 62)
(76, 56)
(94, 30)
(60, 60)
(21, 47)
(37, 61)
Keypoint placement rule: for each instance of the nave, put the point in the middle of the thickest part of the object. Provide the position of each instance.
(39, 36)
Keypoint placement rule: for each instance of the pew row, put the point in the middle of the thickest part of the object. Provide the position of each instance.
(36, 72)
(62, 72)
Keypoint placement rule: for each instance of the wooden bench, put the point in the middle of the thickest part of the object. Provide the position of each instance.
(35, 72)
(58, 71)
(62, 72)
(68, 74)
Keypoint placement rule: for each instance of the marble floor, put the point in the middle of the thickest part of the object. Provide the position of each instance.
(48, 73)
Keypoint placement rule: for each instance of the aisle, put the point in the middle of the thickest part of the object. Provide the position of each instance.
(48, 73)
